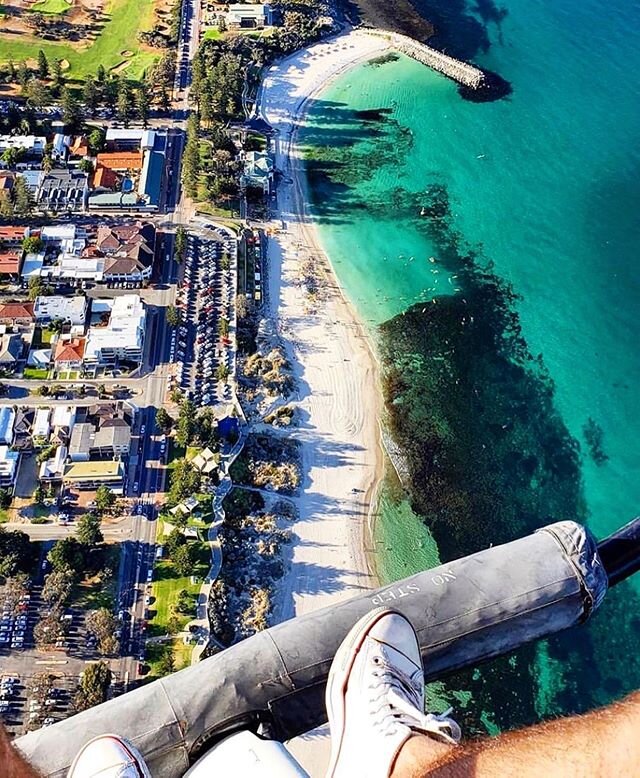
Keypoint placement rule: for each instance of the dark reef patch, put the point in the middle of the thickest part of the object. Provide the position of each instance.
(490, 459)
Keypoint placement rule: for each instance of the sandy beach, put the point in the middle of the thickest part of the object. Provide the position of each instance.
(338, 388)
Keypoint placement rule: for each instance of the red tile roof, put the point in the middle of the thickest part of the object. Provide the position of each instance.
(14, 234)
(10, 262)
(16, 311)
(121, 160)
(69, 350)
(105, 177)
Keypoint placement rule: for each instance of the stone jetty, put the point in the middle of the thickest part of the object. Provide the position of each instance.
(461, 72)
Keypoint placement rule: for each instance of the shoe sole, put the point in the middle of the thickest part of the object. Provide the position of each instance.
(136, 757)
(339, 679)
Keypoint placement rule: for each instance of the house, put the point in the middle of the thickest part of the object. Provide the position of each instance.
(258, 171)
(119, 161)
(79, 146)
(80, 443)
(60, 146)
(52, 470)
(58, 308)
(39, 358)
(7, 422)
(41, 426)
(22, 429)
(63, 417)
(123, 337)
(112, 439)
(31, 145)
(91, 475)
(11, 347)
(16, 313)
(248, 16)
(69, 353)
(129, 249)
(11, 250)
(8, 467)
(63, 190)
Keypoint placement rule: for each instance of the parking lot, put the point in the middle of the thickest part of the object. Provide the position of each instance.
(204, 342)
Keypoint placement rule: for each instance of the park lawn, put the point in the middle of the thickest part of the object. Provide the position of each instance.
(51, 6)
(166, 586)
(212, 35)
(97, 592)
(126, 19)
(35, 374)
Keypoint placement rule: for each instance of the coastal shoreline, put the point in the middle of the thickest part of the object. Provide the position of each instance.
(335, 366)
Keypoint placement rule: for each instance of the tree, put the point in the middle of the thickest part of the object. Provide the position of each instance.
(43, 64)
(67, 553)
(94, 685)
(101, 74)
(186, 423)
(23, 200)
(86, 165)
(88, 530)
(222, 373)
(5, 494)
(174, 540)
(104, 625)
(16, 552)
(164, 420)
(37, 93)
(57, 586)
(36, 287)
(50, 628)
(191, 157)
(33, 245)
(23, 73)
(183, 559)
(71, 111)
(223, 327)
(185, 480)
(173, 316)
(105, 498)
(142, 105)
(56, 73)
(184, 602)
(90, 96)
(167, 664)
(123, 104)
(180, 246)
(96, 141)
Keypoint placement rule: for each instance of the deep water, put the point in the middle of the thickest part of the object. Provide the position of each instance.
(514, 394)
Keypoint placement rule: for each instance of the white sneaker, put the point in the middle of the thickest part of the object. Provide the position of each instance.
(108, 756)
(375, 697)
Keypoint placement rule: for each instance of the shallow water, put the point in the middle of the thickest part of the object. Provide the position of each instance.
(544, 184)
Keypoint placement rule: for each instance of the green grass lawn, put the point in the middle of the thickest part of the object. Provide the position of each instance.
(35, 374)
(45, 336)
(166, 586)
(126, 19)
(51, 6)
(4, 515)
(212, 34)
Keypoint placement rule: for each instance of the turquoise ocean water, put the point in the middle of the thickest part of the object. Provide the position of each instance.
(546, 185)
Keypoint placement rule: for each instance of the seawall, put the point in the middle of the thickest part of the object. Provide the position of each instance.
(461, 72)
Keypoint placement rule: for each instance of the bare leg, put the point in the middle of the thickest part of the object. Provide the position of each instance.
(603, 742)
(13, 763)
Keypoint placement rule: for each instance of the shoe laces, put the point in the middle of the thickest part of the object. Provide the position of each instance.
(398, 698)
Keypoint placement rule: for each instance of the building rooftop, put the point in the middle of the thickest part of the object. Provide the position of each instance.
(10, 349)
(81, 435)
(125, 329)
(10, 261)
(32, 265)
(30, 143)
(145, 138)
(98, 471)
(113, 436)
(7, 420)
(10, 234)
(16, 310)
(70, 350)
(120, 160)
(8, 462)
(63, 416)
(41, 426)
(72, 309)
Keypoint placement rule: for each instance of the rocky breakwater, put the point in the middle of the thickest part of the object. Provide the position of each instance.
(462, 72)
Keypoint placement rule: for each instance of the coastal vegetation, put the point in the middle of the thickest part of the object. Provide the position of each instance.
(252, 540)
(268, 463)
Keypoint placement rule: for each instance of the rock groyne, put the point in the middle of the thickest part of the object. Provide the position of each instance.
(461, 72)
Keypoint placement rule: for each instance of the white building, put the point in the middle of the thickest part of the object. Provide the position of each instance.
(70, 309)
(41, 426)
(53, 469)
(123, 337)
(131, 138)
(63, 416)
(30, 144)
(8, 467)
